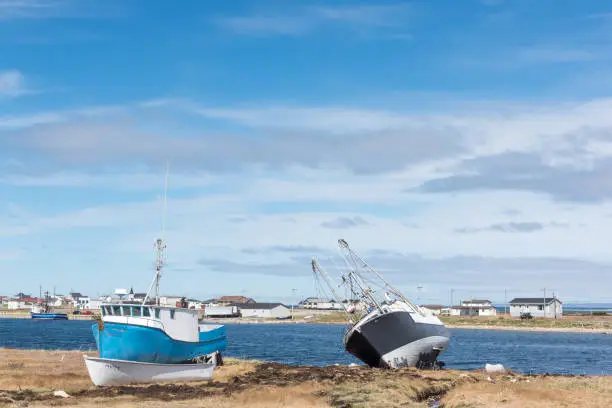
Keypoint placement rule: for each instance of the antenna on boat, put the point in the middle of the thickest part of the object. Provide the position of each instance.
(160, 246)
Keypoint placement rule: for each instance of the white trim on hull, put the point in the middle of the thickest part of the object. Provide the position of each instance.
(105, 371)
(409, 355)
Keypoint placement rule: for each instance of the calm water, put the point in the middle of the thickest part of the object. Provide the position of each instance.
(568, 353)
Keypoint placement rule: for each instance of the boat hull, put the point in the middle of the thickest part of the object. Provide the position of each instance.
(395, 340)
(151, 345)
(49, 316)
(105, 372)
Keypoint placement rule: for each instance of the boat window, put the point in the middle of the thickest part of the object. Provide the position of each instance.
(146, 312)
(102, 311)
(117, 310)
(157, 313)
(172, 314)
(136, 311)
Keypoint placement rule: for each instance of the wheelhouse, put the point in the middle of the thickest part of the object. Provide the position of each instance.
(129, 310)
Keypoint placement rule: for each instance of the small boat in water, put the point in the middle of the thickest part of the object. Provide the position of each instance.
(44, 311)
(386, 329)
(105, 372)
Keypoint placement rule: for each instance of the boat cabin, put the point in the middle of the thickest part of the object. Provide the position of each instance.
(130, 310)
(180, 324)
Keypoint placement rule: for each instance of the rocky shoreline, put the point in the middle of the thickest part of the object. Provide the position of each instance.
(36, 378)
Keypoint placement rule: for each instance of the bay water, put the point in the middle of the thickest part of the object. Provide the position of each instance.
(321, 344)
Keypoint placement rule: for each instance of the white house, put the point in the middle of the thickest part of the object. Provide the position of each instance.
(82, 302)
(320, 304)
(96, 303)
(264, 310)
(220, 311)
(14, 304)
(79, 301)
(170, 301)
(194, 304)
(474, 307)
(537, 307)
(56, 301)
(434, 309)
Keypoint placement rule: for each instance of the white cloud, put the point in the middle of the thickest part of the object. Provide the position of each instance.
(14, 9)
(560, 54)
(48, 9)
(302, 21)
(301, 178)
(12, 84)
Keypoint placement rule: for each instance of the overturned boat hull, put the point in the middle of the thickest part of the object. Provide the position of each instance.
(105, 371)
(396, 339)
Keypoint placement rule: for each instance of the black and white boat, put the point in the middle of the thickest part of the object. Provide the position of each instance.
(386, 329)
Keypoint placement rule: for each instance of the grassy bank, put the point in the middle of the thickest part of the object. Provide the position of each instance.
(571, 323)
(574, 323)
(28, 378)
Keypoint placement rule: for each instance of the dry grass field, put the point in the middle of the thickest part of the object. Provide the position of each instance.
(28, 379)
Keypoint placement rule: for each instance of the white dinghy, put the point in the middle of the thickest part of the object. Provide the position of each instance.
(106, 371)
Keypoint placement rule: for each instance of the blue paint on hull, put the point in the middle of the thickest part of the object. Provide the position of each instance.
(146, 344)
(49, 316)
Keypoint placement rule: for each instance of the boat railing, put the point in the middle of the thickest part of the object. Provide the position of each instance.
(148, 321)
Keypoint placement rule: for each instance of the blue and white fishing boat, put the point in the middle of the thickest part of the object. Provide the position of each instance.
(147, 332)
(43, 311)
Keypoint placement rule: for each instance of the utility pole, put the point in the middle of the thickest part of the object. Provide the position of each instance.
(292, 302)
(419, 294)
(544, 304)
(505, 303)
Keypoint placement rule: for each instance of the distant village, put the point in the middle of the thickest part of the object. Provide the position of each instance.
(241, 306)
(222, 307)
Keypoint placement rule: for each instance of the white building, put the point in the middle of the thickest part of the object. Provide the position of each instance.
(79, 301)
(14, 304)
(264, 310)
(537, 307)
(82, 302)
(195, 304)
(320, 304)
(96, 303)
(434, 309)
(170, 301)
(57, 301)
(221, 311)
(474, 307)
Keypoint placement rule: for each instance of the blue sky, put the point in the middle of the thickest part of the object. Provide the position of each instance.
(463, 145)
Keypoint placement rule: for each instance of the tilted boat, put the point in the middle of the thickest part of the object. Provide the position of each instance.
(386, 329)
(151, 333)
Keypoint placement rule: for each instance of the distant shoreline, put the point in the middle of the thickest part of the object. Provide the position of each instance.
(532, 329)
(450, 325)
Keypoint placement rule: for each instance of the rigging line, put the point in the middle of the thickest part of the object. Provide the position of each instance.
(165, 200)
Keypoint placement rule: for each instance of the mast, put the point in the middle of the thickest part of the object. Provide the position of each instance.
(343, 244)
(316, 268)
(160, 247)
